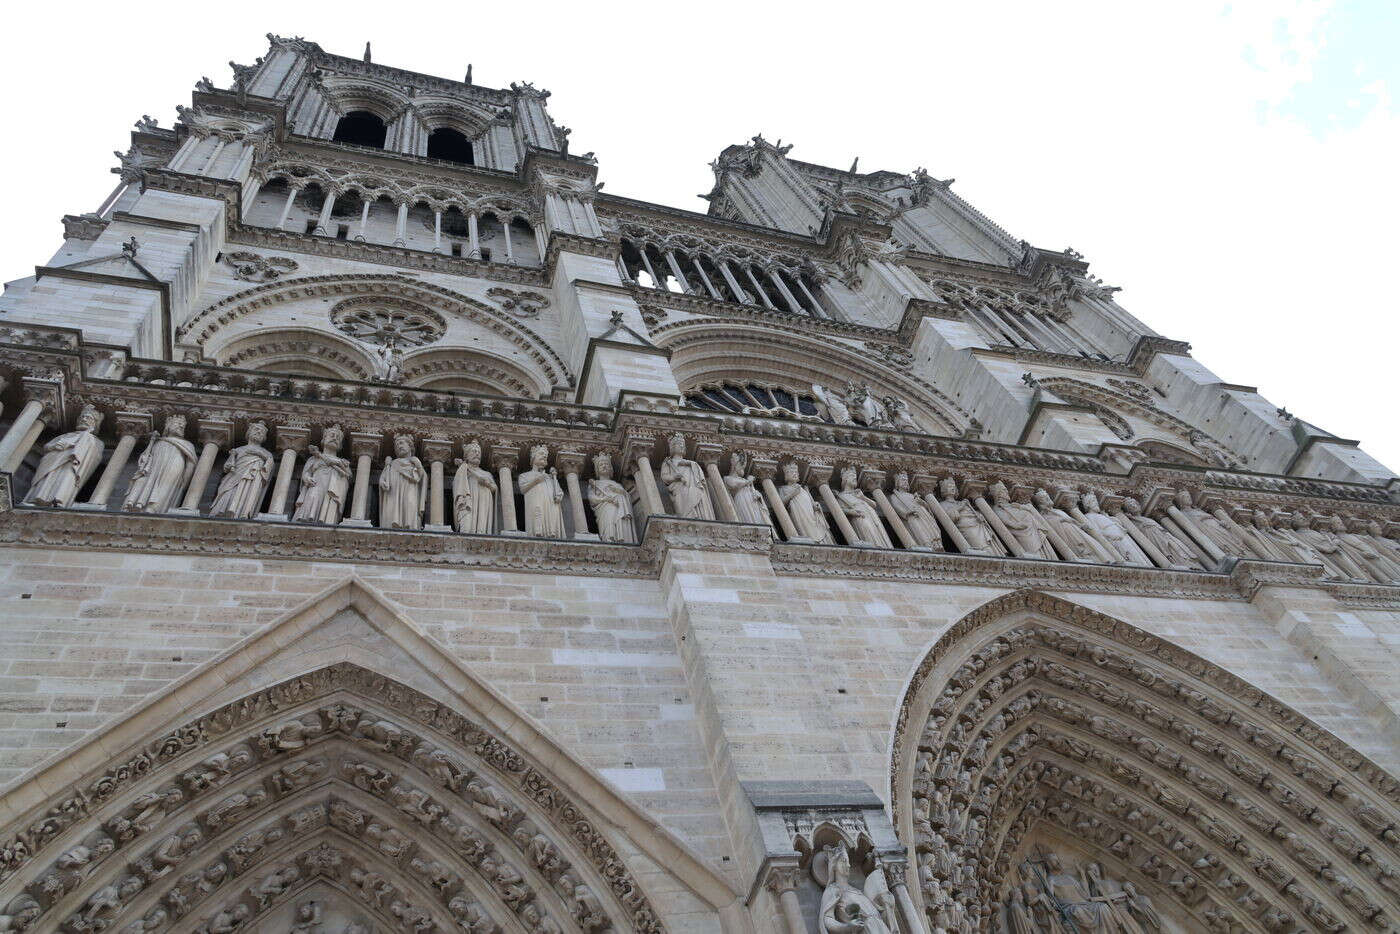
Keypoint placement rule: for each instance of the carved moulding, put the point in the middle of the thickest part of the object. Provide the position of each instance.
(1193, 784)
(335, 768)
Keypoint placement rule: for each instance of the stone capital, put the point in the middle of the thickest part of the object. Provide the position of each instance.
(1064, 497)
(214, 430)
(638, 443)
(292, 437)
(137, 424)
(436, 450)
(365, 443)
(503, 455)
(48, 393)
(781, 878)
(764, 468)
(570, 462)
(707, 452)
(817, 473)
(923, 483)
(870, 478)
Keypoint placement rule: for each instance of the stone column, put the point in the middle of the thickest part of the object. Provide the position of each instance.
(714, 292)
(1207, 560)
(505, 232)
(927, 487)
(708, 455)
(758, 289)
(818, 475)
(437, 231)
(782, 882)
(504, 459)
(473, 238)
(1203, 540)
(793, 304)
(817, 310)
(364, 219)
(740, 295)
(290, 440)
(676, 268)
(214, 434)
(436, 451)
(401, 225)
(765, 469)
(130, 426)
(24, 432)
(656, 282)
(895, 869)
(980, 504)
(324, 221)
(364, 447)
(570, 463)
(637, 451)
(873, 482)
(287, 205)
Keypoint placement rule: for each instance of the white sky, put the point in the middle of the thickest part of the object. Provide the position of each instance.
(1232, 166)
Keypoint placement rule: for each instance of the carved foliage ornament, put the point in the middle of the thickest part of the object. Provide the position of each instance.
(522, 304)
(252, 267)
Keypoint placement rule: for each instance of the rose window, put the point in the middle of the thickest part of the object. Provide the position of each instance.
(388, 324)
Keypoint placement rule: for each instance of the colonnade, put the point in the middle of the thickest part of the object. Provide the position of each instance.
(774, 286)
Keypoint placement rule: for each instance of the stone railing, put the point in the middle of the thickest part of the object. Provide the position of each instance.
(192, 442)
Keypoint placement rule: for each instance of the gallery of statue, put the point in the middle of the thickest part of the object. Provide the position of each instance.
(400, 534)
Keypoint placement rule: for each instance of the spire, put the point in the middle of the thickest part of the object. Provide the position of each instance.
(468, 79)
(366, 51)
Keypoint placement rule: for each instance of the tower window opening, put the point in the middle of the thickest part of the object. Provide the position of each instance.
(342, 232)
(451, 146)
(361, 128)
(456, 249)
(311, 226)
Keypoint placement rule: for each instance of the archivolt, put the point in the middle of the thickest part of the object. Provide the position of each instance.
(341, 775)
(291, 349)
(205, 325)
(707, 351)
(1204, 791)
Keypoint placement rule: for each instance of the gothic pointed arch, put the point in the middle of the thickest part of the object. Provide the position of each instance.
(297, 352)
(710, 352)
(211, 328)
(1037, 734)
(288, 770)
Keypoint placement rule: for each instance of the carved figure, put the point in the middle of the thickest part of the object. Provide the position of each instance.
(163, 471)
(915, 514)
(845, 909)
(976, 531)
(748, 501)
(403, 488)
(1226, 538)
(544, 496)
(806, 513)
(834, 405)
(1368, 551)
(685, 479)
(612, 506)
(67, 463)
(473, 493)
(864, 407)
(471, 917)
(308, 918)
(247, 470)
(1025, 524)
(20, 913)
(1176, 551)
(1125, 550)
(230, 919)
(862, 511)
(900, 416)
(1081, 546)
(324, 480)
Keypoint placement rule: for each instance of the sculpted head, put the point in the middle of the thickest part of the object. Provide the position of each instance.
(331, 438)
(676, 445)
(1374, 528)
(1259, 519)
(175, 426)
(1090, 501)
(403, 445)
(602, 467)
(257, 432)
(1298, 521)
(89, 418)
(901, 481)
(472, 452)
(1182, 498)
(998, 493)
(790, 472)
(737, 461)
(1335, 524)
(1042, 499)
(948, 488)
(539, 457)
(848, 478)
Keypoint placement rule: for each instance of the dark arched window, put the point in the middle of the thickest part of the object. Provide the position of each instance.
(361, 127)
(448, 144)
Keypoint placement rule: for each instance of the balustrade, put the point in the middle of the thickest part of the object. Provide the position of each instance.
(859, 499)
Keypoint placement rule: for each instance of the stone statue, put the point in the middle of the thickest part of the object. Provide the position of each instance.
(473, 493)
(1176, 551)
(163, 471)
(544, 497)
(1081, 546)
(403, 488)
(1265, 540)
(807, 514)
(388, 363)
(1073, 899)
(247, 470)
(1319, 536)
(309, 917)
(1369, 550)
(325, 478)
(845, 909)
(685, 479)
(748, 501)
(1023, 522)
(1126, 551)
(67, 463)
(861, 510)
(981, 538)
(1226, 538)
(900, 416)
(1141, 909)
(915, 514)
(612, 505)
(1018, 915)
(835, 405)
(864, 407)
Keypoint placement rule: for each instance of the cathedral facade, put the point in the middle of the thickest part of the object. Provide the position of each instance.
(401, 534)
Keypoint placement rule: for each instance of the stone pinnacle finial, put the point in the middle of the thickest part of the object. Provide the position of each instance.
(366, 51)
(468, 79)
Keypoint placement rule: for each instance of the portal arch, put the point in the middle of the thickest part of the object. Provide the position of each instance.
(1038, 728)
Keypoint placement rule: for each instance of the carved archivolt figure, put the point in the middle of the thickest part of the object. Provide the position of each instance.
(67, 463)
(834, 405)
(324, 480)
(473, 493)
(163, 471)
(403, 488)
(806, 513)
(612, 506)
(1176, 551)
(976, 531)
(844, 908)
(748, 501)
(544, 497)
(861, 510)
(915, 514)
(685, 479)
(247, 470)
(1023, 522)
